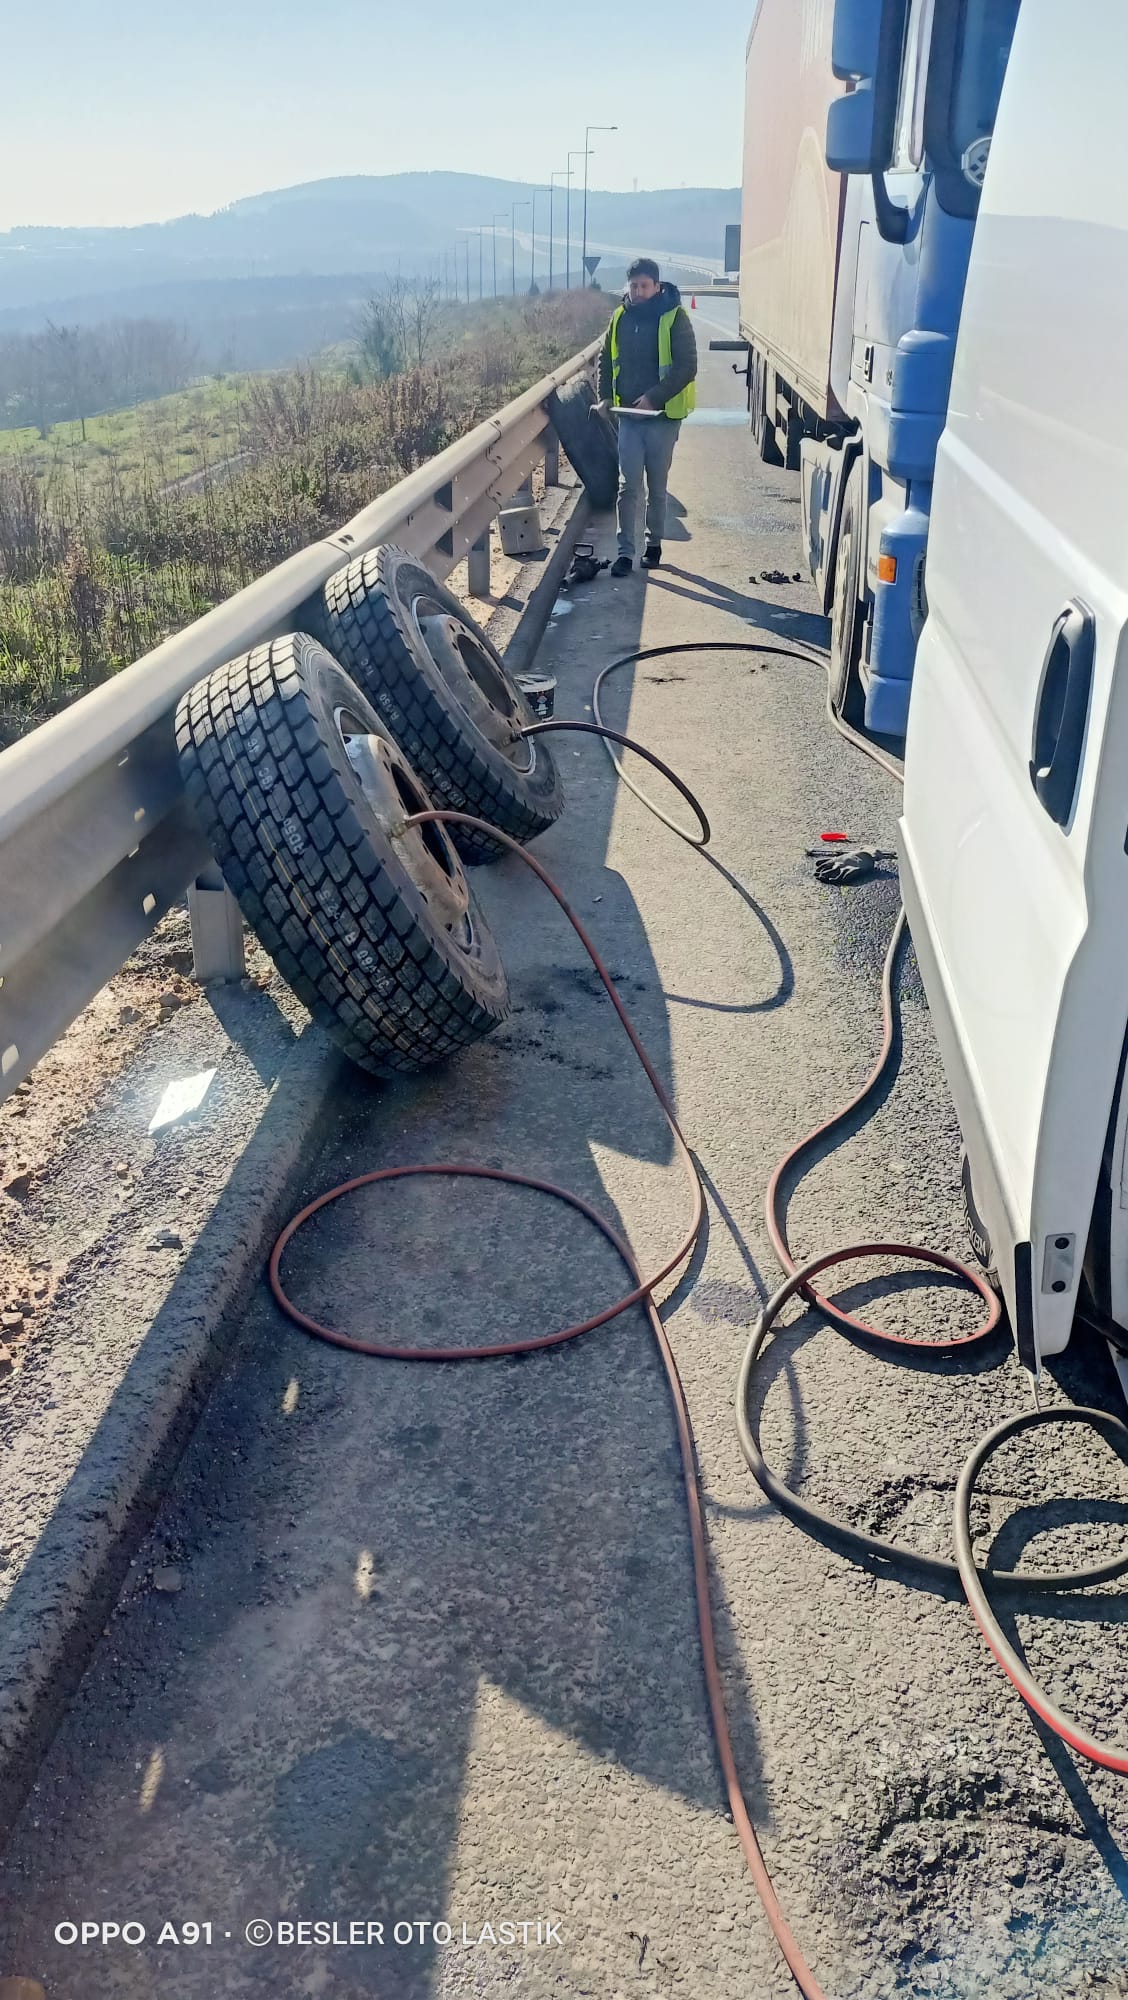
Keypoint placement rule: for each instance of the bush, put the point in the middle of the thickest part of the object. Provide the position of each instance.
(104, 555)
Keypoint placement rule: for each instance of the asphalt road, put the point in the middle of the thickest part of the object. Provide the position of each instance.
(429, 1653)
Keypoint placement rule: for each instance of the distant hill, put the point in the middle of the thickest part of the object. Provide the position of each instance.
(362, 225)
(235, 323)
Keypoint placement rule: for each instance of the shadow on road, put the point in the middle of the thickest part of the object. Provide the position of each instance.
(781, 619)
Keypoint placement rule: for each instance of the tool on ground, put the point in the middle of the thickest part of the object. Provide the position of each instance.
(840, 864)
(585, 565)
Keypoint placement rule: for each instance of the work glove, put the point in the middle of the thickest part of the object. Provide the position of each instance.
(847, 864)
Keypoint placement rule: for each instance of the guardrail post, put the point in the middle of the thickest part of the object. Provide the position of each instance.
(217, 929)
(524, 494)
(552, 459)
(478, 567)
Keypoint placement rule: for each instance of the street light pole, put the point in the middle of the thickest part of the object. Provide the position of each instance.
(555, 176)
(533, 234)
(588, 130)
(467, 267)
(499, 216)
(568, 224)
(481, 260)
(513, 243)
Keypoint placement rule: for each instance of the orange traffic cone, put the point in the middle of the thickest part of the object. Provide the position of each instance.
(693, 303)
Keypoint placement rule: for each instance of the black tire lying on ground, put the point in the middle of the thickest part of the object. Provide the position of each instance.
(302, 795)
(443, 691)
(589, 440)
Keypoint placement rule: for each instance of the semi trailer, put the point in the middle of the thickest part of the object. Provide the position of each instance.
(867, 133)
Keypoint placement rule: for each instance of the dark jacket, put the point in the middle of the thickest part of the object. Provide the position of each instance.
(638, 351)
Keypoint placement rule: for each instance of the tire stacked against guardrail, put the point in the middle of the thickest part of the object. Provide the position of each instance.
(588, 436)
(304, 759)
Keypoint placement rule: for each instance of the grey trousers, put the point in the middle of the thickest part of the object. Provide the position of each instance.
(646, 447)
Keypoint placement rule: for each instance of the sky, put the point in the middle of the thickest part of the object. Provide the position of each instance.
(122, 111)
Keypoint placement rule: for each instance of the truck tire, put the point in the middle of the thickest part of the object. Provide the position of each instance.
(763, 424)
(589, 440)
(847, 696)
(796, 432)
(976, 1228)
(443, 692)
(302, 794)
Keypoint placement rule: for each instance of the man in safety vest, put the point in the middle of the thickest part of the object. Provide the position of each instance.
(649, 362)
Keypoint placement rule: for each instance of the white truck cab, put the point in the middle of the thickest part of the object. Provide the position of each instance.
(1015, 830)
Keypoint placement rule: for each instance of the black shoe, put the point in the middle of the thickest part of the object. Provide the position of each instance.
(622, 566)
(653, 556)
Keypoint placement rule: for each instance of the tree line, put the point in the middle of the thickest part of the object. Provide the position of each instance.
(64, 374)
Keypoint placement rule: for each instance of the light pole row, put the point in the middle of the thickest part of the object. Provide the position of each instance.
(565, 174)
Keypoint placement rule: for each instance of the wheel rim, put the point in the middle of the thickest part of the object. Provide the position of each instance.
(392, 794)
(841, 621)
(475, 680)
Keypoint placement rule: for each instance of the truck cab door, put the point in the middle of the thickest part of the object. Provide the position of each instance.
(1015, 823)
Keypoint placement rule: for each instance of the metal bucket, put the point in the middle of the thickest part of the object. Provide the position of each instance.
(539, 691)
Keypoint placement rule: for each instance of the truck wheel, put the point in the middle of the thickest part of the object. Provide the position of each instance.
(302, 795)
(763, 424)
(976, 1229)
(847, 697)
(444, 694)
(589, 440)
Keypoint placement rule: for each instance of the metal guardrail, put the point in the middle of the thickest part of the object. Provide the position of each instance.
(96, 839)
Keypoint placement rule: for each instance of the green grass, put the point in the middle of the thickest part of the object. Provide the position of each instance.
(163, 440)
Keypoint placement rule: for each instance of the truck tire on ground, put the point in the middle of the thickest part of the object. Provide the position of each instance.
(442, 690)
(589, 440)
(847, 696)
(302, 795)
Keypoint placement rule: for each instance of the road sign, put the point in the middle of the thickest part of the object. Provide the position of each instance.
(590, 264)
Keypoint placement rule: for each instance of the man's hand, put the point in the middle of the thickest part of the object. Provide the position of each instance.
(601, 408)
(644, 403)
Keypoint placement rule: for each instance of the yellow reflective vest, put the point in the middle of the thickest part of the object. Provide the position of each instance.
(679, 406)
